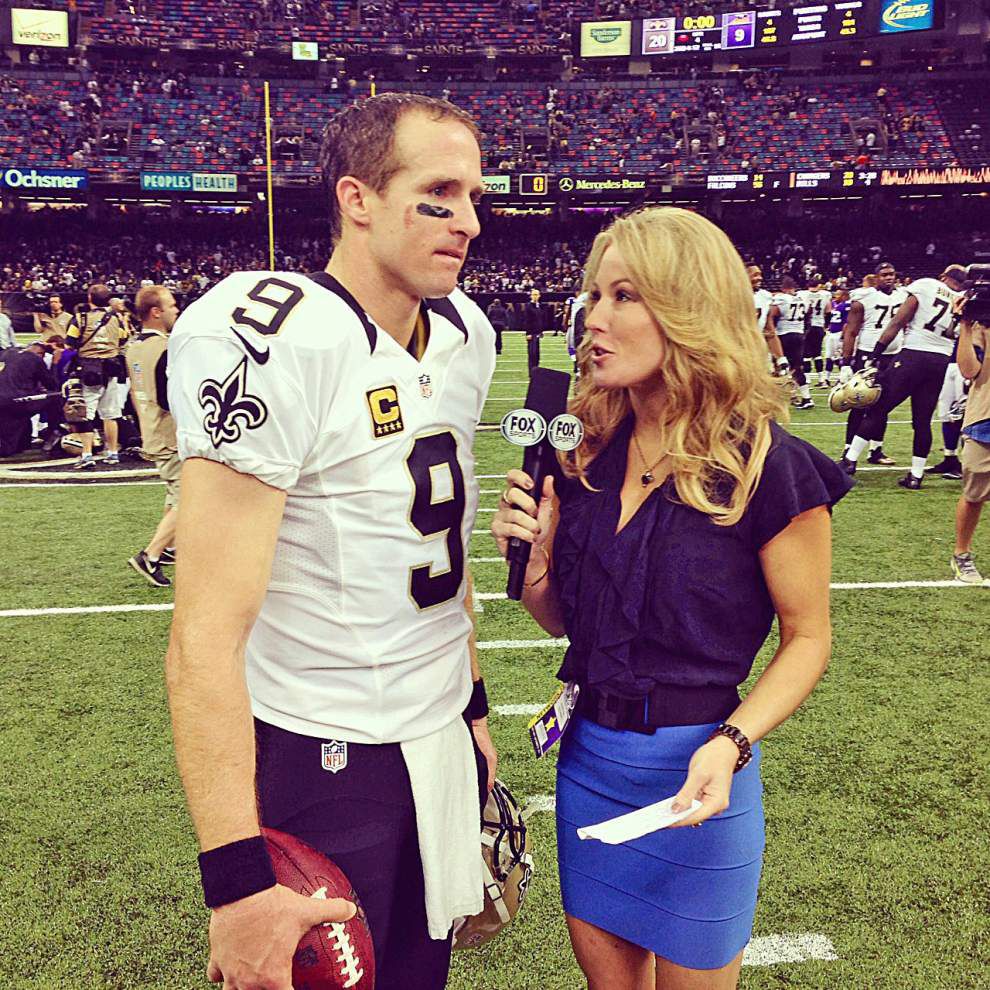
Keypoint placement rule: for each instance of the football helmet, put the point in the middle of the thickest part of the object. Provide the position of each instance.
(508, 868)
(860, 391)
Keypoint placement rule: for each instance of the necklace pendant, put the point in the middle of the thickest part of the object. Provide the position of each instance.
(647, 478)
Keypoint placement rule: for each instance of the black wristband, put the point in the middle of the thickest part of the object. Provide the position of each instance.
(478, 705)
(878, 352)
(742, 744)
(238, 869)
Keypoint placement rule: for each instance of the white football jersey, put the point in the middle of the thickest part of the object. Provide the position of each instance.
(792, 311)
(856, 294)
(363, 634)
(878, 310)
(934, 325)
(816, 300)
(763, 300)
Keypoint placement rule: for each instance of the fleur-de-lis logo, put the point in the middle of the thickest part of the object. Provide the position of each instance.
(229, 408)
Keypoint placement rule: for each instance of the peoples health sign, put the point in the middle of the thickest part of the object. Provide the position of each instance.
(906, 15)
(49, 179)
(214, 182)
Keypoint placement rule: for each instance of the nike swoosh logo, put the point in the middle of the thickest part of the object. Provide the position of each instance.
(260, 356)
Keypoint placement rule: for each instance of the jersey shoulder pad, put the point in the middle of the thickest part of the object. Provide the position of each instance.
(283, 310)
(464, 313)
(922, 287)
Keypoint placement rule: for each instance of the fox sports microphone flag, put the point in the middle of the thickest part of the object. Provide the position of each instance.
(546, 400)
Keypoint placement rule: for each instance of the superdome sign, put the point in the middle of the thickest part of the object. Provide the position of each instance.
(48, 179)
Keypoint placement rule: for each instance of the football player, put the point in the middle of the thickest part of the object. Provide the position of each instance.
(819, 304)
(791, 330)
(869, 313)
(928, 318)
(326, 425)
(767, 315)
(833, 336)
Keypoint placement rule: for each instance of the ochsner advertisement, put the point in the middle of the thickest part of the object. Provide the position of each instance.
(48, 179)
(49, 28)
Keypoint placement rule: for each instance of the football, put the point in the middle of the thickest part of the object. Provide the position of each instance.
(332, 956)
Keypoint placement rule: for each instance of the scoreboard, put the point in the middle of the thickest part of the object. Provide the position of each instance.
(830, 21)
(837, 21)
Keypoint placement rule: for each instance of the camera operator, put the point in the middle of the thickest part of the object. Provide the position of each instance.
(24, 374)
(147, 360)
(98, 335)
(54, 323)
(974, 335)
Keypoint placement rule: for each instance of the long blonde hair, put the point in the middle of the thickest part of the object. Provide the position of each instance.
(718, 394)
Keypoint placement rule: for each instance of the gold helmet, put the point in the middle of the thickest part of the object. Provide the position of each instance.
(859, 392)
(508, 867)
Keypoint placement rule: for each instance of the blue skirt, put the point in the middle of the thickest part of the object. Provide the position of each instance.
(686, 894)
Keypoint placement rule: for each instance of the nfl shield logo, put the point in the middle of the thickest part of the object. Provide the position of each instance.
(334, 756)
(425, 386)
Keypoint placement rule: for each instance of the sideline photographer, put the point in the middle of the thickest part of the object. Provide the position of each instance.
(98, 335)
(27, 387)
(974, 333)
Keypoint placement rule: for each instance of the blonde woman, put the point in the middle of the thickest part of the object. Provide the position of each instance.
(685, 521)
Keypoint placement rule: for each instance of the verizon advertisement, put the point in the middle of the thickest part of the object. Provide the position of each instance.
(45, 28)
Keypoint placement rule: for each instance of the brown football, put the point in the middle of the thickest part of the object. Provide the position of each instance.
(332, 956)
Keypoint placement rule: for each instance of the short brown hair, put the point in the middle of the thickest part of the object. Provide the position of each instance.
(360, 141)
(147, 298)
(99, 294)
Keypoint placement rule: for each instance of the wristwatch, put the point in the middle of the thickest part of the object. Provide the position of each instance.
(739, 738)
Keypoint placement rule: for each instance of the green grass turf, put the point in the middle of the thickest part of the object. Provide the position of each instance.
(875, 791)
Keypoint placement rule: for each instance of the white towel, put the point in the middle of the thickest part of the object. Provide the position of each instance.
(444, 782)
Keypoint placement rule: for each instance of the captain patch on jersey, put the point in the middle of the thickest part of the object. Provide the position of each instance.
(284, 377)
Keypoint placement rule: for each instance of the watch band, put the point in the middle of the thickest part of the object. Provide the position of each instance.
(739, 738)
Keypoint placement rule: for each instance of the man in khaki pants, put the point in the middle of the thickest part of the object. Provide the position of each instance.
(146, 364)
(974, 364)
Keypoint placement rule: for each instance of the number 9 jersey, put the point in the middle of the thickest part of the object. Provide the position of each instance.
(363, 633)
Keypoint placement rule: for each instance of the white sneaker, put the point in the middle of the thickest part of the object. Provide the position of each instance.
(965, 570)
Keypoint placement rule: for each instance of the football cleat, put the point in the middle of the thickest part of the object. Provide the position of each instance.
(859, 392)
(948, 467)
(848, 466)
(910, 482)
(804, 404)
(507, 868)
(879, 457)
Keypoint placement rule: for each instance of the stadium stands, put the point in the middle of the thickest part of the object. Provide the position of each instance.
(625, 126)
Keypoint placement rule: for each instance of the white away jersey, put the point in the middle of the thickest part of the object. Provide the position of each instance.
(934, 326)
(878, 310)
(363, 633)
(792, 310)
(763, 300)
(816, 301)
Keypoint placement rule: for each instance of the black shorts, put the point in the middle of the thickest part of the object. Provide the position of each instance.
(364, 819)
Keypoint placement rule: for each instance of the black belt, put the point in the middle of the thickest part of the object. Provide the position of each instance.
(666, 704)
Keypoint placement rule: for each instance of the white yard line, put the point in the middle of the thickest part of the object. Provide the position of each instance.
(771, 950)
(516, 709)
(78, 482)
(482, 596)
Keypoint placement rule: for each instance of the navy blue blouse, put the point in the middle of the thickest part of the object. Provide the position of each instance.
(674, 598)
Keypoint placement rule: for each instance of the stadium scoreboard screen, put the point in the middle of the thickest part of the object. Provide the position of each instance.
(697, 31)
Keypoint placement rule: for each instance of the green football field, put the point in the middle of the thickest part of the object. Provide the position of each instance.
(876, 791)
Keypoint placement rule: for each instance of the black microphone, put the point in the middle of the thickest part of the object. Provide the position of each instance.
(546, 399)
